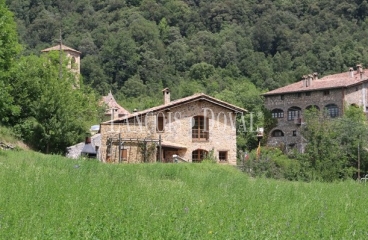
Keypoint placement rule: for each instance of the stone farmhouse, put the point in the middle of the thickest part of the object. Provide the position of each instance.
(187, 129)
(330, 94)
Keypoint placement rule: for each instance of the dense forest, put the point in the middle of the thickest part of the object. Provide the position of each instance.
(233, 50)
(137, 47)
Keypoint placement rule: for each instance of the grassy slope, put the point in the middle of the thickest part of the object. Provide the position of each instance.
(51, 197)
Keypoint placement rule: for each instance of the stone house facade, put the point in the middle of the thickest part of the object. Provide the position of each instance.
(187, 129)
(330, 94)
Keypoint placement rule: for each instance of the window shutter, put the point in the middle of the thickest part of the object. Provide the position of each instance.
(207, 128)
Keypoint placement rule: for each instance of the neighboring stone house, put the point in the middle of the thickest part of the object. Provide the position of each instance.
(72, 54)
(187, 129)
(330, 93)
(113, 109)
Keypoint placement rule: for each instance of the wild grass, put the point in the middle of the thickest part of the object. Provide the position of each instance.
(50, 197)
(7, 135)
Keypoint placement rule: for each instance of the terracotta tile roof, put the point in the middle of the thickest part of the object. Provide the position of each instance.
(195, 97)
(57, 48)
(110, 101)
(338, 80)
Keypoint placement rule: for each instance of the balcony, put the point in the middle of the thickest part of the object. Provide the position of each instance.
(297, 121)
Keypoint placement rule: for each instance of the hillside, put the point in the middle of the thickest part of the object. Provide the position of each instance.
(232, 50)
(136, 48)
(51, 197)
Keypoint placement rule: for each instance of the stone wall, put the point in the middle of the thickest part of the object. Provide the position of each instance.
(178, 130)
(319, 98)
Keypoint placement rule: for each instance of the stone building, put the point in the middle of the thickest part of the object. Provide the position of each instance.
(187, 129)
(72, 54)
(113, 109)
(330, 94)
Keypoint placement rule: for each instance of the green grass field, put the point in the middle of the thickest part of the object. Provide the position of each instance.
(51, 197)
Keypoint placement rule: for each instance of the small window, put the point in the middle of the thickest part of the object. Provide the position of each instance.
(294, 133)
(160, 124)
(294, 113)
(310, 107)
(326, 92)
(282, 97)
(277, 113)
(277, 133)
(223, 156)
(308, 94)
(124, 154)
(200, 128)
(198, 155)
(332, 110)
(299, 95)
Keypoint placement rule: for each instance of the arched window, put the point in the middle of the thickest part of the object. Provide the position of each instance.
(73, 63)
(294, 113)
(354, 105)
(277, 113)
(200, 128)
(332, 110)
(312, 107)
(277, 133)
(198, 155)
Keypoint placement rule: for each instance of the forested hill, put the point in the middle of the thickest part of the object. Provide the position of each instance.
(138, 47)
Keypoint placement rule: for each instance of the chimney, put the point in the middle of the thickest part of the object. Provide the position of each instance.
(304, 81)
(315, 76)
(88, 140)
(166, 93)
(310, 79)
(351, 72)
(360, 71)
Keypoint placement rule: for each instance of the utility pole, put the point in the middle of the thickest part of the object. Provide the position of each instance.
(359, 158)
(60, 56)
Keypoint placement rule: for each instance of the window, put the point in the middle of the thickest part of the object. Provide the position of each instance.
(198, 155)
(277, 133)
(223, 156)
(124, 154)
(326, 92)
(160, 126)
(277, 113)
(307, 93)
(332, 110)
(200, 128)
(294, 113)
(73, 63)
(310, 107)
(299, 95)
(294, 133)
(282, 97)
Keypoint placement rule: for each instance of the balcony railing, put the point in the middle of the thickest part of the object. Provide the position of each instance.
(297, 121)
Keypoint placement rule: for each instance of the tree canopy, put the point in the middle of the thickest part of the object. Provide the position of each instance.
(233, 50)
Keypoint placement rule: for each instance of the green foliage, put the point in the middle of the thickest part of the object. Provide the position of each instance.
(54, 114)
(233, 50)
(332, 145)
(272, 43)
(210, 157)
(272, 163)
(9, 48)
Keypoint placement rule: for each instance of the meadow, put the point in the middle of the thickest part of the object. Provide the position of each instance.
(51, 197)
